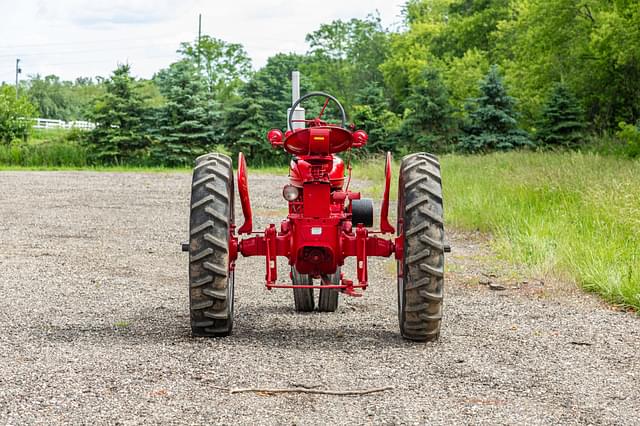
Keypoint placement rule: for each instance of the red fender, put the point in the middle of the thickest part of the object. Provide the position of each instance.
(243, 190)
(385, 226)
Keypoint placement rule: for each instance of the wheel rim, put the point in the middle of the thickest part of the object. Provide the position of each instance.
(232, 288)
(400, 267)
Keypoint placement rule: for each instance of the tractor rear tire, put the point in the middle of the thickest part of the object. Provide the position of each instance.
(210, 279)
(328, 299)
(302, 297)
(421, 225)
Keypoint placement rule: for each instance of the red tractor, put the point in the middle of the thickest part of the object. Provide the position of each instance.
(327, 223)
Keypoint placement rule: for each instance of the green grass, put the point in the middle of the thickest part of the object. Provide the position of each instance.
(46, 149)
(572, 215)
(43, 154)
(121, 324)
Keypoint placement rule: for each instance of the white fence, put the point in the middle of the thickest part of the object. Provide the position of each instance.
(46, 124)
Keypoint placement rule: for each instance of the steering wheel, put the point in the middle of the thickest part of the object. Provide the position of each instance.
(318, 120)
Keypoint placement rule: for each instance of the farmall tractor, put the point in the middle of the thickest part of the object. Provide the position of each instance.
(328, 222)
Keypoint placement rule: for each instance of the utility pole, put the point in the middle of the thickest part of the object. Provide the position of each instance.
(199, 36)
(18, 71)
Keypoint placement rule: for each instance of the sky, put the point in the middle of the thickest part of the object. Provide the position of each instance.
(74, 38)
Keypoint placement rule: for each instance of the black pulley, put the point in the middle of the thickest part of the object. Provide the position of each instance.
(362, 212)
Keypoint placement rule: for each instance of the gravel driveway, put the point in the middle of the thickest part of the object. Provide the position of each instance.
(94, 327)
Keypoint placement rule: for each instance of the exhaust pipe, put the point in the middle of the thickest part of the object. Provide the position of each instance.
(298, 114)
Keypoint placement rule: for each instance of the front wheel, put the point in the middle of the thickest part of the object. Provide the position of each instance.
(421, 226)
(328, 299)
(302, 297)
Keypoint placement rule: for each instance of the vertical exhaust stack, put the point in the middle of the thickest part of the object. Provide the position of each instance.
(298, 114)
(295, 86)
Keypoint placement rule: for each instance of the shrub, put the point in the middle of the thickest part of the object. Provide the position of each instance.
(15, 115)
(630, 135)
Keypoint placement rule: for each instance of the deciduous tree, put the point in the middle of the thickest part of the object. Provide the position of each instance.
(224, 65)
(15, 115)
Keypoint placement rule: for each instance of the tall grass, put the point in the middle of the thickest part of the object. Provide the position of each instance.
(46, 154)
(569, 214)
(46, 149)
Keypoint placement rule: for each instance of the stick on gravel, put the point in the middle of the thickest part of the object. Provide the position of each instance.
(305, 390)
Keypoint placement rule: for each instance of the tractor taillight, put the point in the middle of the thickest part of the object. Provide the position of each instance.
(275, 138)
(290, 193)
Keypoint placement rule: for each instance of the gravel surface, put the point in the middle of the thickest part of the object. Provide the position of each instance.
(94, 327)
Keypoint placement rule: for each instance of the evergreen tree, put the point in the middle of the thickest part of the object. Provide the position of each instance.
(188, 124)
(119, 113)
(492, 117)
(428, 120)
(247, 123)
(562, 121)
(371, 114)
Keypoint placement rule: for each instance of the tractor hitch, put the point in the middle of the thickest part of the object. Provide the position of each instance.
(346, 287)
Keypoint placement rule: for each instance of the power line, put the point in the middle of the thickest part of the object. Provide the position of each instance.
(55, 53)
(71, 43)
(103, 61)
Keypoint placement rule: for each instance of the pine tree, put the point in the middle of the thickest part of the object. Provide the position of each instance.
(428, 121)
(562, 122)
(119, 135)
(247, 123)
(188, 125)
(371, 113)
(492, 119)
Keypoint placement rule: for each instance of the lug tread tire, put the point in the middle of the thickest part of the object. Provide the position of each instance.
(211, 216)
(420, 291)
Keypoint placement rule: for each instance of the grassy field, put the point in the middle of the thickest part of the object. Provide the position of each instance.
(576, 216)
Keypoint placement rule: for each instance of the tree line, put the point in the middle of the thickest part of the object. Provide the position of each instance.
(458, 75)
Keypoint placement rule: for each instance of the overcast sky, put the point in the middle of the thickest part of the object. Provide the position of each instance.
(72, 38)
